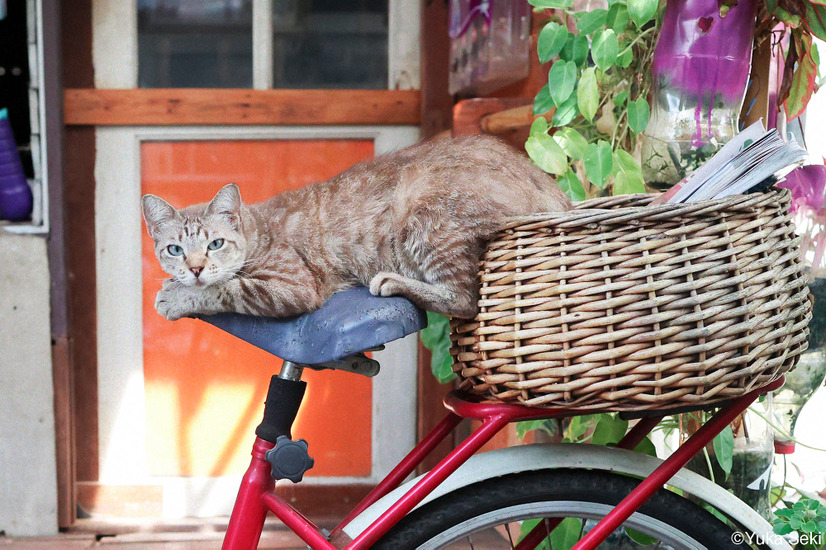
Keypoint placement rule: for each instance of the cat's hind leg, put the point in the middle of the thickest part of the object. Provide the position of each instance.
(436, 297)
(439, 258)
(446, 264)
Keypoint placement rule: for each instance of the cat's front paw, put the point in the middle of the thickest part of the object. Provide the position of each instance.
(171, 301)
(385, 284)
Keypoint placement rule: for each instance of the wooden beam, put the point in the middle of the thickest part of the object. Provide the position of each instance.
(437, 103)
(64, 431)
(138, 107)
(470, 114)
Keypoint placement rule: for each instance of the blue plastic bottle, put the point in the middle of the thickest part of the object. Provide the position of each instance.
(15, 193)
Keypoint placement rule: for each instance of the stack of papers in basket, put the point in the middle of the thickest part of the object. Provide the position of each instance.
(753, 157)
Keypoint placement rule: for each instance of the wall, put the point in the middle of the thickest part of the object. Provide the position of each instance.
(28, 490)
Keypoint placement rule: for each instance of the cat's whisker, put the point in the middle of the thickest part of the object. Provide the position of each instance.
(250, 261)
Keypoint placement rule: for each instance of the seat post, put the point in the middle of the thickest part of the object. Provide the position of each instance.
(291, 371)
(283, 400)
(280, 409)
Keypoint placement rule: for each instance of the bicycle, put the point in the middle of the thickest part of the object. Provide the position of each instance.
(466, 493)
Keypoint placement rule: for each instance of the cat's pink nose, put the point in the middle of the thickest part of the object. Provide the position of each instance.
(196, 270)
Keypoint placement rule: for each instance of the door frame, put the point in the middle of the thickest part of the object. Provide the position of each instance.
(121, 397)
(112, 51)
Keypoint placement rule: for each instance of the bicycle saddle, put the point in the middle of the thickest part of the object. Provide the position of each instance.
(349, 321)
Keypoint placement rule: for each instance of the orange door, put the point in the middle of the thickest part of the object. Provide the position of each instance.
(204, 388)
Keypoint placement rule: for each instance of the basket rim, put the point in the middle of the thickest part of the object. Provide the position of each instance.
(581, 214)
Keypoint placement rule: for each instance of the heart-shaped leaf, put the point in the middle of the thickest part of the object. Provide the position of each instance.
(625, 57)
(591, 21)
(609, 430)
(804, 81)
(638, 115)
(604, 49)
(816, 18)
(783, 529)
(571, 186)
(640, 538)
(539, 126)
(551, 40)
(566, 112)
(617, 18)
(543, 103)
(436, 337)
(571, 141)
(627, 174)
(562, 80)
(576, 49)
(723, 444)
(642, 11)
(547, 154)
(587, 94)
(598, 162)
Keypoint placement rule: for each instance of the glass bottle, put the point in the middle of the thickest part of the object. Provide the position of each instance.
(700, 71)
(753, 457)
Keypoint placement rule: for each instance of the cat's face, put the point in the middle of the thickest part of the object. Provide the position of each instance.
(199, 245)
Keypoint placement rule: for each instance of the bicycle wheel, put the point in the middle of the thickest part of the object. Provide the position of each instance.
(483, 515)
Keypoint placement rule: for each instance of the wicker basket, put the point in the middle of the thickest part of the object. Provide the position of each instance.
(617, 305)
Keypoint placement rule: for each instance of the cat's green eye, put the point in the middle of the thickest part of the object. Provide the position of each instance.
(216, 244)
(174, 250)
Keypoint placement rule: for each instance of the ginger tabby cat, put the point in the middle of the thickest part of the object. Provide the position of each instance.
(411, 223)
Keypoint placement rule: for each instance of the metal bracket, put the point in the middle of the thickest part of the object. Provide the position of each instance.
(357, 363)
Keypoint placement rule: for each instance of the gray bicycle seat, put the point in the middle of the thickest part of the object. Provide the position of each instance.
(349, 321)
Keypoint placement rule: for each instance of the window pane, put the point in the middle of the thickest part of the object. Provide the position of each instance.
(195, 43)
(330, 43)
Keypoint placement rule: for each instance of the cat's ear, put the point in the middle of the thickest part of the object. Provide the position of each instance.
(227, 202)
(157, 212)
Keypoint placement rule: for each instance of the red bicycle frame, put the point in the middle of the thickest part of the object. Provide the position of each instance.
(255, 497)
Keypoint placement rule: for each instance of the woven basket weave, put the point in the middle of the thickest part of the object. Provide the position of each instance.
(617, 305)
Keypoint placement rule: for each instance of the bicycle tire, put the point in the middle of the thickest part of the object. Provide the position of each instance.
(555, 493)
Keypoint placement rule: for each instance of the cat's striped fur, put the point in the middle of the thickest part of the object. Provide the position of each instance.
(410, 223)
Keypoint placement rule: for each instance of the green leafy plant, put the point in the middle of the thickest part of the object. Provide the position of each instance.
(806, 517)
(600, 77)
(595, 104)
(802, 19)
(436, 338)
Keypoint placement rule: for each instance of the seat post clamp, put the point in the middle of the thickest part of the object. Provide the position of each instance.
(289, 459)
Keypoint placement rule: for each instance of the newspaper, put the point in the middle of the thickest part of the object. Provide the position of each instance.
(753, 157)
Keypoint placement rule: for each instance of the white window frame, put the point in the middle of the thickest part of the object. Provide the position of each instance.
(121, 391)
(115, 44)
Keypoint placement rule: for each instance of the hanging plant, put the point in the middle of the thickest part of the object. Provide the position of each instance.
(595, 104)
(802, 19)
(599, 83)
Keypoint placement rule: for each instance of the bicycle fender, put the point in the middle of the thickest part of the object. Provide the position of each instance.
(527, 458)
